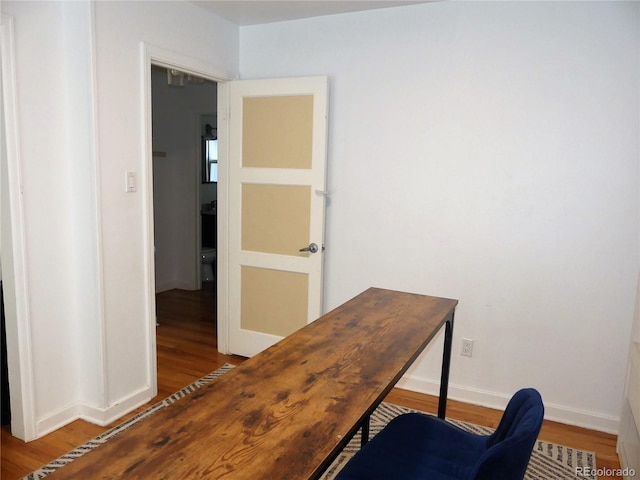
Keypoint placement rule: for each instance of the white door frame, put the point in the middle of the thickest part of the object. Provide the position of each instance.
(153, 55)
(222, 241)
(14, 260)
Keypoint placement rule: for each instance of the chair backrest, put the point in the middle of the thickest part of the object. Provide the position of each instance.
(509, 447)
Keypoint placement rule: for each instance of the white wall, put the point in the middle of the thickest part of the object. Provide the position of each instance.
(486, 152)
(81, 111)
(176, 179)
(43, 83)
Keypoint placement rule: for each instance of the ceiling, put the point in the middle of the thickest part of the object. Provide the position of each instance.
(253, 12)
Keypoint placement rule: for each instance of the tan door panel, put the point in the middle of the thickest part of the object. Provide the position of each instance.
(277, 132)
(273, 301)
(275, 218)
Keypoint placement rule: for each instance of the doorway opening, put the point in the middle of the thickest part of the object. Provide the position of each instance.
(183, 118)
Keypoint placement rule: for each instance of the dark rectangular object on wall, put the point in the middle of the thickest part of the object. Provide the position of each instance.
(209, 230)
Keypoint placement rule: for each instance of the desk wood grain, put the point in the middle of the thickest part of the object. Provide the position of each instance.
(288, 411)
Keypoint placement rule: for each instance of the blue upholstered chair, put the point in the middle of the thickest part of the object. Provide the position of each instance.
(419, 446)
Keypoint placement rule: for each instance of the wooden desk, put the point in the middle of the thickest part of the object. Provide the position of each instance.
(287, 412)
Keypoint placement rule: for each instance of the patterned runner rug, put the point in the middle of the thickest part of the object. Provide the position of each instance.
(548, 461)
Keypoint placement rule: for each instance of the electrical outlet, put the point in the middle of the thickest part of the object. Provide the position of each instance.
(467, 347)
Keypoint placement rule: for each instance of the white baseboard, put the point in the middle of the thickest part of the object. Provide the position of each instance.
(556, 413)
(175, 284)
(55, 421)
(103, 417)
(164, 286)
(91, 413)
(629, 455)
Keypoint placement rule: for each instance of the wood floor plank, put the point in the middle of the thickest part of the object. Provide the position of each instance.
(187, 351)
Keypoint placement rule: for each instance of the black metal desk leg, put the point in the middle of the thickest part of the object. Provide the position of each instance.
(364, 434)
(446, 363)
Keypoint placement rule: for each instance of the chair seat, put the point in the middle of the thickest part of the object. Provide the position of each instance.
(417, 446)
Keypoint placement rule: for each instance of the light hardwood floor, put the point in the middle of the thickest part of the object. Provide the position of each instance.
(186, 339)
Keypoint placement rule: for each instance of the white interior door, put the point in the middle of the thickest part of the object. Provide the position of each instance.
(277, 182)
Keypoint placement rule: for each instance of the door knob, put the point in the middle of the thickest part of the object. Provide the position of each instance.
(312, 248)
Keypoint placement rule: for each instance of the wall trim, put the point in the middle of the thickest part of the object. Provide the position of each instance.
(173, 284)
(15, 276)
(92, 413)
(222, 247)
(105, 416)
(55, 420)
(484, 398)
(97, 205)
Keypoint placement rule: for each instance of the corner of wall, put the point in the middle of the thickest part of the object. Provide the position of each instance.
(105, 416)
(91, 413)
